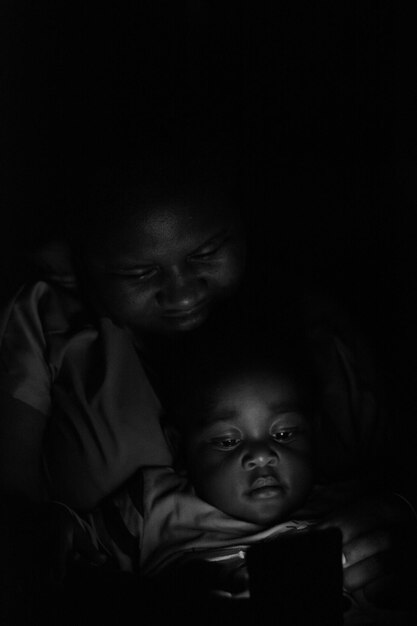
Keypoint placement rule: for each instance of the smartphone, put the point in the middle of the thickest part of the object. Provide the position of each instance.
(297, 579)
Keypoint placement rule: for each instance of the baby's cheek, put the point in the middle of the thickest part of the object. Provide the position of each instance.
(219, 490)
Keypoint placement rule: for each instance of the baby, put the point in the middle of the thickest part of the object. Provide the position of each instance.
(243, 439)
(242, 434)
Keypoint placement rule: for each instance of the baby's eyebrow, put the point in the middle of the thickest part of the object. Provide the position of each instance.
(223, 415)
(223, 418)
(285, 407)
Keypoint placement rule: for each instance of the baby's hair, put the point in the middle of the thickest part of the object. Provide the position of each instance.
(237, 349)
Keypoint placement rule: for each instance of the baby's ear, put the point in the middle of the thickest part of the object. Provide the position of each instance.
(174, 440)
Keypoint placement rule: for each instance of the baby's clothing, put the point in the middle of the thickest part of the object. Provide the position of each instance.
(164, 523)
(156, 526)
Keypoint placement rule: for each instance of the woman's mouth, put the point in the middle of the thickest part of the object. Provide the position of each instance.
(187, 317)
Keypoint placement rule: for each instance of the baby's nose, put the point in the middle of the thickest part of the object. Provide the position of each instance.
(261, 456)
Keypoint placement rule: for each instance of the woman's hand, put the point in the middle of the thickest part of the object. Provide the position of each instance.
(212, 579)
(38, 542)
(379, 535)
(233, 585)
(67, 540)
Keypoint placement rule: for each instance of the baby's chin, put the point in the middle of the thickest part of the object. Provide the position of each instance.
(266, 521)
(269, 514)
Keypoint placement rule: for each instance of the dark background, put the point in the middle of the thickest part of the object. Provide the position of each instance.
(317, 98)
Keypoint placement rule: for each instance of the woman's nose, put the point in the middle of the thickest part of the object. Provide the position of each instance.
(259, 456)
(180, 291)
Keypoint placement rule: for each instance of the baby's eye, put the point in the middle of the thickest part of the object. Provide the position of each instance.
(285, 436)
(225, 444)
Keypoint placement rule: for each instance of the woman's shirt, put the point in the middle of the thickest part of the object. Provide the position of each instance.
(85, 375)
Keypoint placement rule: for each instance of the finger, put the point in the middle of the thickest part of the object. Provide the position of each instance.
(219, 593)
(239, 580)
(366, 515)
(366, 571)
(242, 595)
(365, 546)
(384, 592)
(86, 548)
(350, 525)
(55, 537)
(393, 591)
(64, 548)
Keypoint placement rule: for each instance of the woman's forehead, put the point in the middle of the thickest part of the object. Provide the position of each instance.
(176, 218)
(166, 225)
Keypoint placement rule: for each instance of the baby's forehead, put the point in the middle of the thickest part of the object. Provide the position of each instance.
(230, 399)
(277, 416)
(255, 378)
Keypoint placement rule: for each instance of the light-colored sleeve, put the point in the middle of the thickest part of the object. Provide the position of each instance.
(24, 371)
(115, 527)
(118, 523)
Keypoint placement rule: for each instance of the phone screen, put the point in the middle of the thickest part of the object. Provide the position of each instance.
(298, 578)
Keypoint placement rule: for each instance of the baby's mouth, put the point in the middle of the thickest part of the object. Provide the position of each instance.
(265, 487)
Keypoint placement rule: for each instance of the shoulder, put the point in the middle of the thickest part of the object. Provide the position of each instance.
(36, 323)
(50, 300)
(322, 312)
(39, 307)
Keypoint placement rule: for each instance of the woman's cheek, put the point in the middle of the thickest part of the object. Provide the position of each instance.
(124, 304)
(227, 274)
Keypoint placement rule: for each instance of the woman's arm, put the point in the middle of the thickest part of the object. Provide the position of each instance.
(21, 434)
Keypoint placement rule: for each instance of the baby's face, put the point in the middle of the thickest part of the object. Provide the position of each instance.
(251, 457)
(164, 268)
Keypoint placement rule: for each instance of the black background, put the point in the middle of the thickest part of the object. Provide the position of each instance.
(318, 98)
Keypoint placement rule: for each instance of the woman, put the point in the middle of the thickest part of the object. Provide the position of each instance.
(157, 256)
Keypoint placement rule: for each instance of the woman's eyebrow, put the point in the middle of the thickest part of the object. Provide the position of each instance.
(214, 239)
(121, 266)
(126, 267)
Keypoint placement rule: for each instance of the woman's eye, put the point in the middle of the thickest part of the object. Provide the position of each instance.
(145, 275)
(225, 444)
(207, 253)
(140, 276)
(134, 275)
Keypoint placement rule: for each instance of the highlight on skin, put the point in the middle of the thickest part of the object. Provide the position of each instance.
(250, 453)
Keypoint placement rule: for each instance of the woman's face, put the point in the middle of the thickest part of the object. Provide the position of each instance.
(165, 267)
